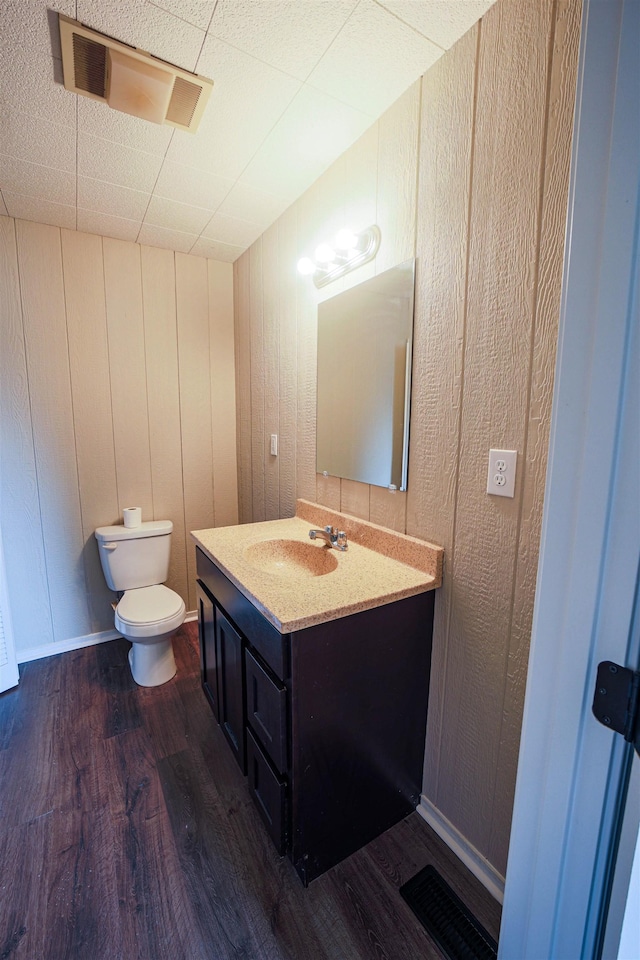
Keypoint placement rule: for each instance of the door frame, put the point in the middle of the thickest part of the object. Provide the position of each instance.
(572, 771)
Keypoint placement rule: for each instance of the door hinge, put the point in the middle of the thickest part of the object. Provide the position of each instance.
(616, 700)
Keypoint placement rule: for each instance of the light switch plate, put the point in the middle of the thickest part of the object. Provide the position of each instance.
(501, 478)
(274, 444)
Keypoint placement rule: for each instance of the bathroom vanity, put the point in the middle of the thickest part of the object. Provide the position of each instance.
(316, 665)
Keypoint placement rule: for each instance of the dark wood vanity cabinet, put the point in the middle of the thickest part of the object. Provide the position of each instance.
(327, 722)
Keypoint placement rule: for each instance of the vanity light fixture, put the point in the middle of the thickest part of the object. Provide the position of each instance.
(348, 251)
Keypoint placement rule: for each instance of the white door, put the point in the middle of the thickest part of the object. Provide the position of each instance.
(8, 666)
(573, 772)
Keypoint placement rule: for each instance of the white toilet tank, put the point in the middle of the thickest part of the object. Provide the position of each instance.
(134, 557)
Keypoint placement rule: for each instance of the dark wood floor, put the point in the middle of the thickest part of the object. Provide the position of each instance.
(127, 831)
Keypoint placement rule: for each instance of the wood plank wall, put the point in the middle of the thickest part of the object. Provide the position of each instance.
(117, 388)
(469, 172)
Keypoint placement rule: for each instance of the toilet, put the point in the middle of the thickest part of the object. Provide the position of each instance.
(135, 561)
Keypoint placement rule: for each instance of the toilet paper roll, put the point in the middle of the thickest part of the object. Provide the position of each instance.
(132, 516)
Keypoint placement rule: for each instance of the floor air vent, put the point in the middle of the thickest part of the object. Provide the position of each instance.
(445, 918)
(130, 80)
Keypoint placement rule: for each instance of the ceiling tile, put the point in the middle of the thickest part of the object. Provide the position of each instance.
(115, 163)
(363, 66)
(28, 82)
(216, 251)
(43, 211)
(107, 226)
(144, 25)
(109, 198)
(190, 185)
(99, 120)
(313, 132)
(34, 180)
(197, 12)
(295, 83)
(237, 118)
(176, 216)
(232, 231)
(443, 23)
(170, 239)
(248, 203)
(37, 140)
(32, 25)
(287, 34)
(3, 209)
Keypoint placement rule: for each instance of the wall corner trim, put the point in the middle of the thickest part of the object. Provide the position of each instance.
(466, 852)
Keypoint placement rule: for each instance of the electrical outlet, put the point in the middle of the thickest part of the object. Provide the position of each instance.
(501, 478)
(274, 444)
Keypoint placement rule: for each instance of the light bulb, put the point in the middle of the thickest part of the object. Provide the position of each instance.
(325, 254)
(306, 266)
(346, 239)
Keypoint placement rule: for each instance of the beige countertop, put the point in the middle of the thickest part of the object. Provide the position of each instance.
(378, 567)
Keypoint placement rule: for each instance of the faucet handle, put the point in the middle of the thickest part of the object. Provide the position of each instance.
(341, 540)
(328, 529)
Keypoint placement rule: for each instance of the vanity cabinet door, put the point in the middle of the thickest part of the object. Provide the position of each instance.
(231, 686)
(208, 652)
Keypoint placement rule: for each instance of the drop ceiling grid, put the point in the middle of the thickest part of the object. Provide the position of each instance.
(294, 85)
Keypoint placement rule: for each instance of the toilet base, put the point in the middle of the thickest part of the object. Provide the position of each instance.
(152, 663)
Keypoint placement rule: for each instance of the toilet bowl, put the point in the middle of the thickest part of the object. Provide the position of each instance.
(148, 617)
(135, 560)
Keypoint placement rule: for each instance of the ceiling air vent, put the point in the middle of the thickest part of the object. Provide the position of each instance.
(129, 79)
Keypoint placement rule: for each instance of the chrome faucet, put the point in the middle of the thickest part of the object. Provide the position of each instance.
(331, 535)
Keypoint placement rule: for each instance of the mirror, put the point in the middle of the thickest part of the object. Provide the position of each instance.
(364, 380)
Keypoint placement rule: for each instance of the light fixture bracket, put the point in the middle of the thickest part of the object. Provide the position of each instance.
(367, 247)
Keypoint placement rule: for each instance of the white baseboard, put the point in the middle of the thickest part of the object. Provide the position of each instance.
(64, 646)
(77, 643)
(476, 863)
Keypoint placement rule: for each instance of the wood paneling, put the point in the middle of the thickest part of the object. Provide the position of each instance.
(20, 518)
(354, 498)
(473, 162)
(271, 369)
(91, 389)
(310, 233)
(163, 397)
(258, 385)
(192, 309)
(397, 179)
(127, 362)
(503, 235)
(555, 181)
(93, 417)
(243, 380)
(43, 310)
(361, 173)
(439, 330)
(288, 368)
(388, 508)
(223, 393)
(328, 491)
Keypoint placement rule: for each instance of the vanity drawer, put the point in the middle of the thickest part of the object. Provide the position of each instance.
(268, 791)
(267, 711)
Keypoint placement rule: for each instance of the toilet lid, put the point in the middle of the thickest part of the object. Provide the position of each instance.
(149, 604)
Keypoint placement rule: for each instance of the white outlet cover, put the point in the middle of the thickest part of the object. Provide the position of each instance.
(501, 476)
